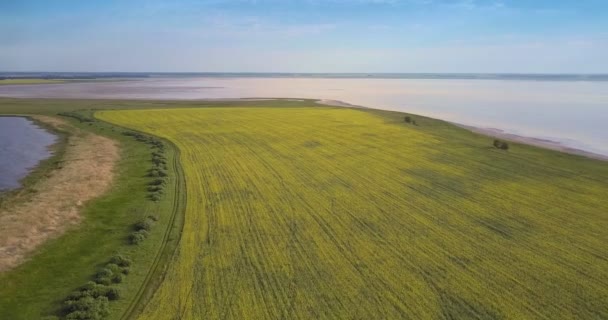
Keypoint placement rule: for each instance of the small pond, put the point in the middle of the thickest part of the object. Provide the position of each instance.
(23, 145)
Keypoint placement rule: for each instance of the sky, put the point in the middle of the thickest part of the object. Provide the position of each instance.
(435, 36)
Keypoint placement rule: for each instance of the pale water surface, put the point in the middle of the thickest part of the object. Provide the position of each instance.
(574, 113)
(22, 146)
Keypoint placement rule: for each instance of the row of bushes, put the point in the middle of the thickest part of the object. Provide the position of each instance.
(77, 116)
(158, 172)
(141, 230)
(91, 301)
(144, 138)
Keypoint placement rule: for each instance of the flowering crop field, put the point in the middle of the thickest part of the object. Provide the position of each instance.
(338, 213)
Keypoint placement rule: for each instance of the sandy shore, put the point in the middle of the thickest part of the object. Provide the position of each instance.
(53, 204)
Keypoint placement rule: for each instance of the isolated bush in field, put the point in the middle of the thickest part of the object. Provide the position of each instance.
(153, 217)
(143, 225)
(121, 260)
(501, 144)
(408, 119)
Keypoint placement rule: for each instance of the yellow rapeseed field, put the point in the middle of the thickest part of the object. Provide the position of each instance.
(330, 213)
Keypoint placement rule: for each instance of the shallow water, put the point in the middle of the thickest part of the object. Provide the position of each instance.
(22, 146)
(574, 113)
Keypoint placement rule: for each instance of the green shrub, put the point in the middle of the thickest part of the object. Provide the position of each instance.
(104, 273)
(154, 197)
(117, 278)
(88, 308)
(125, 270)
(155, 189)
(104, 281)
(113, 267)
(157, 182)
(90, 285)
(104, 277)
(408, 119)
(112, 294)
(157, 173)
(84, 304)
(138, 236)
(153, 217)
(143, 225)
(78, 295)
(120, 260)
(500, 144)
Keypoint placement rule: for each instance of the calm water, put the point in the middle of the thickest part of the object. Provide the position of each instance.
(570, 109)
(22, 146)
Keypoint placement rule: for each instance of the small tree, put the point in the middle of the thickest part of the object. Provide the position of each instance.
(408, 119)
(500, 145)
(496, 143)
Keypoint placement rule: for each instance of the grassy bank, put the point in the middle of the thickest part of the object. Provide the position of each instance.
(39, 286)
(326, 213)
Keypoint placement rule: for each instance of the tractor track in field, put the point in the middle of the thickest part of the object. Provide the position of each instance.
(158, 270)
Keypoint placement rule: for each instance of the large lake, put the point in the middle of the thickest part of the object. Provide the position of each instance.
(572, 112)
(22, 146)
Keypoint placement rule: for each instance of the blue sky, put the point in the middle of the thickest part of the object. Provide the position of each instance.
(513, 36)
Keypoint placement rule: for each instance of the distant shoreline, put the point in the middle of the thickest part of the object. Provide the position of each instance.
(490, 132)
(303, 75)
(537, 142)
(500, 134)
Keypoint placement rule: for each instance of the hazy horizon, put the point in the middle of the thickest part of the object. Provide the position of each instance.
(307, 36)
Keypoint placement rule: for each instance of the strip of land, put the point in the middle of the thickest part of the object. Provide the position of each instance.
(29, 81)
(30, 219)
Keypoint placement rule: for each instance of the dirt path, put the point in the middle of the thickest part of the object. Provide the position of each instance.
(30, 220)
